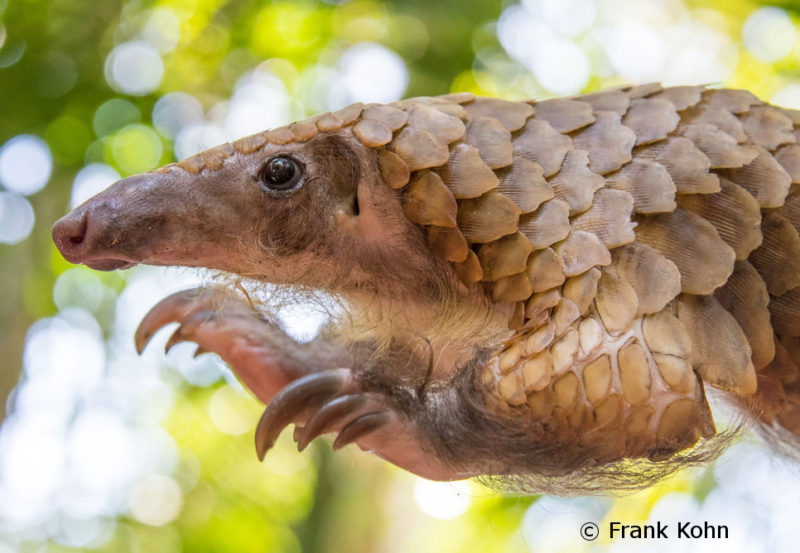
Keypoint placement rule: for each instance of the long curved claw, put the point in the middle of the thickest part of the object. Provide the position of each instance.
(360, 427)
(321, 421)
(292, 400)
(199, 351)
(176, 338)
(173, 308)
(188, 327)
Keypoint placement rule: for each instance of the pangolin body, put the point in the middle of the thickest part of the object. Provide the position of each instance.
(628, 249)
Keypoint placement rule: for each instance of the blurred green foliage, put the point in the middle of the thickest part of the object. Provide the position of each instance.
(53, 84)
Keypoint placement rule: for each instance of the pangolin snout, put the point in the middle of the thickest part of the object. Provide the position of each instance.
(99, 232)
(71, 235)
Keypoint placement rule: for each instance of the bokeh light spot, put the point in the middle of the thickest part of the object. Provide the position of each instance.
(369, 73)
(91, 180)
(78, 287)
(136, 148)
(162, 30)
(16, 218)
(285, 29)
(55, 75)
(569, 17)
(231, 411)
(259, 102)
(357, 21)
(769, 34)
(196, 138)
(635, 49)
(134, 68)
(214, 38)
(516, 30)
(102, 451)
(11, 53)
(698, 54)
(174, 111)
(113, 115)
(32, 461)
(408, 36)
(788, 97)
(199, 505)
(99, 151)
(3, 34)
(67, 351)
(25, 164)
(561, 66)
(69, 137)
(156, 500)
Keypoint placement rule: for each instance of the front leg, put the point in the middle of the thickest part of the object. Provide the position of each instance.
(322, 386)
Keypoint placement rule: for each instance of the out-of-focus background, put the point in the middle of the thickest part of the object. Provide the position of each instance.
(102, 450)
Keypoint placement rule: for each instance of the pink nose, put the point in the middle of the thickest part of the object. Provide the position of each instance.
(69, 233)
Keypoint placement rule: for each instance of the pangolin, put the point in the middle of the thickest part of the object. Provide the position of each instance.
(540, 291)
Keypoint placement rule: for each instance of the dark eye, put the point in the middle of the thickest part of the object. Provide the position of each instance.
(280, 174)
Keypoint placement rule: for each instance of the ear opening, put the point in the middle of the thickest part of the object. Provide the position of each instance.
(340, 167)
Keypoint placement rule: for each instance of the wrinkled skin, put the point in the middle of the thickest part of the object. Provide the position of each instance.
(341, 230)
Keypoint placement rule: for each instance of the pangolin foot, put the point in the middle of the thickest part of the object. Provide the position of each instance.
(300, 383)
(260, 353)
(320, 403)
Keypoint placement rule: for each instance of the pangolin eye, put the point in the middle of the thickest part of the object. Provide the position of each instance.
(280, 174)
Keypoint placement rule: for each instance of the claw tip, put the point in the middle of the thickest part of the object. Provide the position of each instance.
(140, 343)
(176, 338)
(261, 450)
(339, 444)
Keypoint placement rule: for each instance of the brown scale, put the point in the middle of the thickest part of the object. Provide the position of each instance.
(610, 341)
(642, 241)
